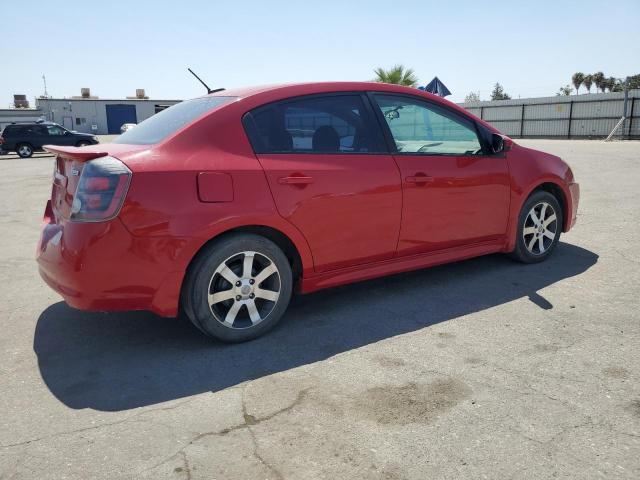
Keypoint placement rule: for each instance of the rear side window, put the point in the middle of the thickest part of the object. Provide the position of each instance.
(331, 124)
(170, 120)
(22, 130)
(17, 129)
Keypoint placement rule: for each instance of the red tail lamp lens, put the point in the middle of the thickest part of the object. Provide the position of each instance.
(101, 190)
(95, 184)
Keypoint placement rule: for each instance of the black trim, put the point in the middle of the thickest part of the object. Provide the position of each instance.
(382, 124)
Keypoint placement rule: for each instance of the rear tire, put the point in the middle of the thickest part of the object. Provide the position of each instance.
(82, 144)
(238, 288)
(24, 150)
(539, 227)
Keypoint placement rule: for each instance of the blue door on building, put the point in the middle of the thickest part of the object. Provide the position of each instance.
(118, 115)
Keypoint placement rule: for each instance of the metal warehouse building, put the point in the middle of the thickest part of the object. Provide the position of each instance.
(89, 114)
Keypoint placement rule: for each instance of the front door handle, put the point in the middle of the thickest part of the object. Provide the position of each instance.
(295, 180)
(419, 179)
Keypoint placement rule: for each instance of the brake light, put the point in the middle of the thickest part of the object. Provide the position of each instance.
(101, 190)
(1, 140)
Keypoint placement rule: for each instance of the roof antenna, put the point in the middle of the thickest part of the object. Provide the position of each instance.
(205, 85)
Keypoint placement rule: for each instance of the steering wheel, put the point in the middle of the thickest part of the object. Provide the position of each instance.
(425, 148)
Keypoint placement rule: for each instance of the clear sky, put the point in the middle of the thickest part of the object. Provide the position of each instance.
(532, 47)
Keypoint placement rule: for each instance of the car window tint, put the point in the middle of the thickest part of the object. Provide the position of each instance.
(331, 124)
(418, 127)
(20, 129)
(15, 129)
(170, 120)
(54, 130)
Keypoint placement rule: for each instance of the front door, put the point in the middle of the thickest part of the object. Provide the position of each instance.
(58, 136)
(330, 176)
(454, 194)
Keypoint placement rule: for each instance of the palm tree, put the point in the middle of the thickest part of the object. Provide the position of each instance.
(577, 80)
(397, 75)
(615, 84)
(587, 82)
(599, 81)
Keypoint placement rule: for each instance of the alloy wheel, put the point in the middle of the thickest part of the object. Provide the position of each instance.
(24, 151)
(244, 290)
(540, 228)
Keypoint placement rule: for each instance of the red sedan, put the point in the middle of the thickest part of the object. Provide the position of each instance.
(220, 206)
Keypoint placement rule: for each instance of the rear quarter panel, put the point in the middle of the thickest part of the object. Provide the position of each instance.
(163, 197)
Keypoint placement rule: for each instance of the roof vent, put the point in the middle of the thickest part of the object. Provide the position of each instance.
(20, 101)
(140, 93)
(85, 92)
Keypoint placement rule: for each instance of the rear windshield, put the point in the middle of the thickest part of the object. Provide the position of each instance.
(170, 120)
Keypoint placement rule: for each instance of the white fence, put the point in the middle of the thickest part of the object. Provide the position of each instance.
(574, 116)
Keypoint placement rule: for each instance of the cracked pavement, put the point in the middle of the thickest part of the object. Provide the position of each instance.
(480, 369)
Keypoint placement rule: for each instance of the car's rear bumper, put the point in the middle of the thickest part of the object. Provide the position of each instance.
(102, 267)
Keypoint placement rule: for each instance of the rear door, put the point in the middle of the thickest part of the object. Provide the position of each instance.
(454, 194)
(330, 176)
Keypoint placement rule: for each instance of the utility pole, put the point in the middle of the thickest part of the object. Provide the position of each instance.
(624, 107)
(44, 79)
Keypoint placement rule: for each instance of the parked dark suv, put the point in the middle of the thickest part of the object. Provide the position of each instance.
(25, 138)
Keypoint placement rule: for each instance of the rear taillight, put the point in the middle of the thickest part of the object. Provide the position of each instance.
(101, 190)
(1, 140)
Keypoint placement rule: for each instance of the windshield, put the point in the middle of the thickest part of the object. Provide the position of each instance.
(161, 125)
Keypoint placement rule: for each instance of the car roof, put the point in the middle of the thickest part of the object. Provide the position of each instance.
(312, 87)
(32, 123)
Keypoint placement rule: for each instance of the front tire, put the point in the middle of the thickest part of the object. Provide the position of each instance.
(539, 227)
(238, 288)
(24, 150)
(82, 143)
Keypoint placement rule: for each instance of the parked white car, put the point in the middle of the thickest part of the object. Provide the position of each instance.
(127, 126)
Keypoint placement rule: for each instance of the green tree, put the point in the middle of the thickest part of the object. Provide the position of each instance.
(599, 81)
(577, 80)
(472, 97)
(398, 75)
(634, 81)
(566, 90)
(498, 93)
(587, 82)
(615, 84)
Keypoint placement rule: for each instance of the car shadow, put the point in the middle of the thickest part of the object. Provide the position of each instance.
(120, 361)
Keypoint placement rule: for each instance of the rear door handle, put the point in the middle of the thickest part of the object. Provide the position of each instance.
(419, 179)
(295, 180)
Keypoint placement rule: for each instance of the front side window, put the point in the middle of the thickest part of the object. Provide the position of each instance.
(331, 124)
(54, 130)
(419, 127)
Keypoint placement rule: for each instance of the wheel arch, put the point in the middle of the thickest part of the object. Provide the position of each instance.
(298, 256)
(28, 144)
(553, 186)
(557, 191)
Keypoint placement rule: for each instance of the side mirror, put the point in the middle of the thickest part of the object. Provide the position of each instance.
(392, 114)
(497, 143)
